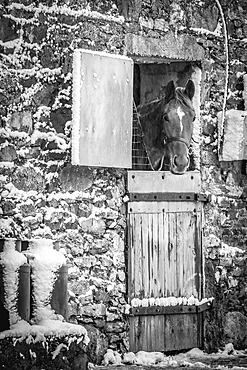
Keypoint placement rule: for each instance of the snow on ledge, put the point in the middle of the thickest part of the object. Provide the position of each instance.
(169, 301)
(22, 330)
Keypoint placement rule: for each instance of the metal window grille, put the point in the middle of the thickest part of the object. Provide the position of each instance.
(140, 160)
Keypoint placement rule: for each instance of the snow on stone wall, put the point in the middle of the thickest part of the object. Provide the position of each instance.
(82, 209)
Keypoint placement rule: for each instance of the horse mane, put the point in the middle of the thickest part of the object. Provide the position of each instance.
(147, 108)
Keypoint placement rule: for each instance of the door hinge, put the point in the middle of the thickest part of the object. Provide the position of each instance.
(175, 197)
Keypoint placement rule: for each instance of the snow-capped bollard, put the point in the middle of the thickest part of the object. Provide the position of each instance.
(10, 262)
(45, 263)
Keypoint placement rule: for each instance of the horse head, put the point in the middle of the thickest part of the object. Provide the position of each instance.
(167, 126)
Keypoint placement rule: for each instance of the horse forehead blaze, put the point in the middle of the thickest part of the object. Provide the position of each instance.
(180, 114)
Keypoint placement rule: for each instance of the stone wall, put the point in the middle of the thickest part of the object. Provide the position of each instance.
(83, 209)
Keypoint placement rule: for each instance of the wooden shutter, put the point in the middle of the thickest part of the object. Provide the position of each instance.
(102, 109)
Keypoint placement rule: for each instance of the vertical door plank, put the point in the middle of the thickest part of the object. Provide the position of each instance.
(138, 273)
(155, 242)
(189, 260)
(181, 243)
(145, 333)
(162, 246)
(198, 254)
(150, 254)
(131, 256)
(165, 253)
(146, 255)
(172, 253)
(133, 333)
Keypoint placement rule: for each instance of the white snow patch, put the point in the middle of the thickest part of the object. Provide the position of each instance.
(5, 226)
(21, 194)
(55, 9)
(7, 164)
(49, 136)
(169, 301)
(193, 358)
(204, 31)
(229, 251)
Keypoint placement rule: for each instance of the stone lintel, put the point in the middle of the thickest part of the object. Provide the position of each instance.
(170, 47)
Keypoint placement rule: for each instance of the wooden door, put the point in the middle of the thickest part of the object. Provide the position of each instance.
(164, 261)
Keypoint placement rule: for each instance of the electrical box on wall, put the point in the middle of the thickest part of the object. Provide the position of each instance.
(234, 147)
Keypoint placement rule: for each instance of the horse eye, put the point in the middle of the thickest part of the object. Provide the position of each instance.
(165, 117)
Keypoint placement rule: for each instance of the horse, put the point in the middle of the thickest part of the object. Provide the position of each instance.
(167, 127)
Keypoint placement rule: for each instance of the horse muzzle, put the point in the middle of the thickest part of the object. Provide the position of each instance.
(179, 164)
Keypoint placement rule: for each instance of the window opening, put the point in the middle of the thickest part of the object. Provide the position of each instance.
(150, 80)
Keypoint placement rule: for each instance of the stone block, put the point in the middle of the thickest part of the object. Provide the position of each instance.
(28, 178)
(7, 29)
(85, 261)
(235, 328)
(205, 17)
(21, 121)
(8, 154)
(161, 24)
(84, 210)
(78, 287)
(182, 47)
(28, 209)
(59, 119)
(76, 178)
(95, 310)
(100, 246)
(235, 134)
(8, 207)
(115, 327)
(97, 346)
(93, 226)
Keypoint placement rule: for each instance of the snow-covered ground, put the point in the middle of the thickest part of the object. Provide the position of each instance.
(194, 358)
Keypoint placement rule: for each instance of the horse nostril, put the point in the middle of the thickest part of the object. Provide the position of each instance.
(181, 161)
(175, 160)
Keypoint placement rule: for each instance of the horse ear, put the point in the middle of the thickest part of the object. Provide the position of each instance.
(190, 89)
(170, 90)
